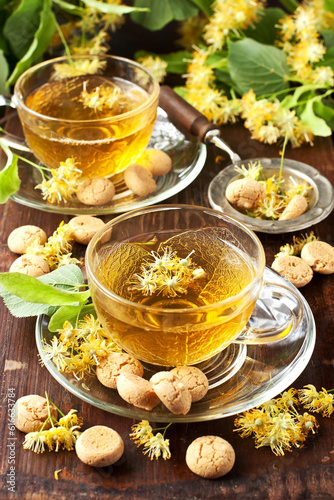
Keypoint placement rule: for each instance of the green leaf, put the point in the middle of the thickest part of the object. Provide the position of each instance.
(325, 112)
(23, 309)
(71, 314)
(163, 12)
(253, 65)
(9, 176)
(21, 26)
(328, 59)
(108, 8)
(3, 74)
(32, 290)
(65, 277)
(265, 31)
(70, 8)
(328, 36)
(204, 5)
(39, 44)
(317, 125)
(329, 5)
(176, 60)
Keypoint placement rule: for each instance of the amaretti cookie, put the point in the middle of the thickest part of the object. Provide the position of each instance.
(114, 364)
(210, 457)
(139, 180)
(194, 379)
(32, 265)
(31, 412)
(172, 392)
(293, 268)
(296, 207)
(157, 162)
(319, 255)
(22, 237)
(245, 194)
(84, 227)
(99, 446)
(95, 191)
(137, 391)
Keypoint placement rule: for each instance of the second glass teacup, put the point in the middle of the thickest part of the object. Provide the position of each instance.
(176, 284)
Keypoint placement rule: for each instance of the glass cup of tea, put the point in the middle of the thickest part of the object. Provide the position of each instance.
(177, 284)
(99, 110)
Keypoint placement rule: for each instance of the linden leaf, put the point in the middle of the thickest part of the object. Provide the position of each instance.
(256, 66)
(32, 290)
(316, 124)
(161, 13)
(9, 176)
(71, 314)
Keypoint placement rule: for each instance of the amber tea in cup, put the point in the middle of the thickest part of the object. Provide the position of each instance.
(100, 110)
(175, 285)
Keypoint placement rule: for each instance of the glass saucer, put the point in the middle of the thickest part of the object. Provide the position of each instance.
(188, 158)
(264, 371)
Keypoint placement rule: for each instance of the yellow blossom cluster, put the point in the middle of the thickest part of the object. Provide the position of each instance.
(78, 349)
(229, 15)
(167, 274)
(155, 445)
(62, 184)
(268, 120)
(278, 424)
(59, 434)
(57, 250)
(296, 246)
(77, 67)
(202, 93)
(156, 65)
(302, 43)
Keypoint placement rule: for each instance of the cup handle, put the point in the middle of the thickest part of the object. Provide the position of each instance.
(278, 311)
(11, 140)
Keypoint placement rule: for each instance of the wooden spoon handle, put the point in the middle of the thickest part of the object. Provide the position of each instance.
(183, 115)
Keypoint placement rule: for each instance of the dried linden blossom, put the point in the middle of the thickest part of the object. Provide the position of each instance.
(278, 424)
(167, 274)
(77, 67)
(62, 184)
(296, 247)
(62, 434)
(155, 445)
(78, 349)
(57, 250)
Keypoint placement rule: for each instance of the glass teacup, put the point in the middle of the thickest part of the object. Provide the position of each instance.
(177, 284)
(99, 110)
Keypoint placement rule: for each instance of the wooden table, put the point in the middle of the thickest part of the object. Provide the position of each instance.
(307, 473)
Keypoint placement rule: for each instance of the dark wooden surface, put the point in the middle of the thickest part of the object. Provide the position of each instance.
(307, 473)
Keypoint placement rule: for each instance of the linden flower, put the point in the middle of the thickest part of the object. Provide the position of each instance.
(100, 98)
(252, 171)
(77, 67)
(62, 184)
(142, 432)
(167, 274)
(294, 249)
(227, 16)
(191, 31)
(270, 208)
(156, 65)
(320, 402)
(93, 46)
(34, 441)
(157, 446)
(55, 249)
(70, 420)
